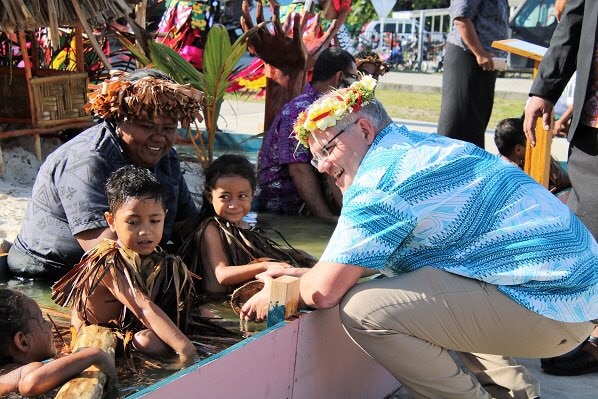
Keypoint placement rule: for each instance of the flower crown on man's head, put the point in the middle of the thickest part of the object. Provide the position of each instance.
(332, 107)
(148, 97)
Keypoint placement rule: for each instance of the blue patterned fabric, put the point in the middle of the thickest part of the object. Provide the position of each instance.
(421, 199)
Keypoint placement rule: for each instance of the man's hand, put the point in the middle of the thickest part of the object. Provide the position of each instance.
(471, 39)
(257, 306)
(561, 127)
(484, 60)
(559, 7)
(536, 107)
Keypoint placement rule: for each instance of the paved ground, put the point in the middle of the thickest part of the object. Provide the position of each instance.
(431, 82)
(246, 117)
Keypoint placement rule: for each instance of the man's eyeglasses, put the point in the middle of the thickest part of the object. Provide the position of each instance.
(327, 148)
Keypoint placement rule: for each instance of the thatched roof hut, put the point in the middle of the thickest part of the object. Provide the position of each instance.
(50, 100)
(30, 14)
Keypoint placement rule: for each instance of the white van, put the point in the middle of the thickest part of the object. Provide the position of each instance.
(403, 27)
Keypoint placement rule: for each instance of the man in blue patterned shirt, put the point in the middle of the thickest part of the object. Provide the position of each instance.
(476, 256)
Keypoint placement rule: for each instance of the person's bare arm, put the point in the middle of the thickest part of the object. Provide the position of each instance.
(321, 287)
(325, 284)
(214, 258)
(37, 378)
(307, 183)
(559, 7)
(470, 38)
(153, 318)
(90, 238)
(561, 127)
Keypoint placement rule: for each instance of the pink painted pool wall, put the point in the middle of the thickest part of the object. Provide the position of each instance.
(307, 358)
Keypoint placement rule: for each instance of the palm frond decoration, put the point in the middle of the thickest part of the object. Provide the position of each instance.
(219, 60)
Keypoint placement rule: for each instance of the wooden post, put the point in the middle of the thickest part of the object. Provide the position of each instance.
(537, 158)
(37, 145)
(94, 43)
(79, 58)
(284, 299)
(140, 18)
(90, 383)
(1, 163)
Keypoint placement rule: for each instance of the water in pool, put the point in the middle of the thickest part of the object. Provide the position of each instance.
(306, 233)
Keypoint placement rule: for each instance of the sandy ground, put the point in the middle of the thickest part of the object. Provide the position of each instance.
(20, 169)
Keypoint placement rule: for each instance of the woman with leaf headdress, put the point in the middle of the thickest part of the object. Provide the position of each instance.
(65, 218)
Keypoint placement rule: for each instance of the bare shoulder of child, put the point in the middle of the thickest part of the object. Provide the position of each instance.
(230, 185)
(136, 216)
(27, 343)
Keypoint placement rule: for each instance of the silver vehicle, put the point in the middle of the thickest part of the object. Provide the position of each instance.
(533, 21)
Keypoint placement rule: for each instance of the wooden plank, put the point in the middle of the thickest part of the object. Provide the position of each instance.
(59, 78)
(79, 59)
(325, 353)
(284, 299)
(90, 383)
(522, 48)
(537, 158)
(46, 130)
(2, 169)
(308, 357)
(262, 366)
(20, 121)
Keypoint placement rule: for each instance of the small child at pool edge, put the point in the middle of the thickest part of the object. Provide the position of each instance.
(26, 344)
(231, 253)
(132, 285)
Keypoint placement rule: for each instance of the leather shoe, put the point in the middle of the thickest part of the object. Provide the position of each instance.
(577, 363)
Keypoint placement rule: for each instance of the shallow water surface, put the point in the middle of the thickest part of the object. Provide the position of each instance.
(309, 234)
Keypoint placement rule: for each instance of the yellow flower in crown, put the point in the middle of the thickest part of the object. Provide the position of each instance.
(332, 107)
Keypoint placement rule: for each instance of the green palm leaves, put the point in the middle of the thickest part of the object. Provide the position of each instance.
(220, 58)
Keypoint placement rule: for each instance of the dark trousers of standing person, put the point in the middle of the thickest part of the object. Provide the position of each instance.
(583, 172)
(467, 97)
(582, 167)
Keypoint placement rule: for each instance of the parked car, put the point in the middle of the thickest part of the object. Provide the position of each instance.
(533, 21)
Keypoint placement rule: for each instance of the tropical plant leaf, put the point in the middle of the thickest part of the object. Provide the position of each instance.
(135, 51)
(220, 59)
